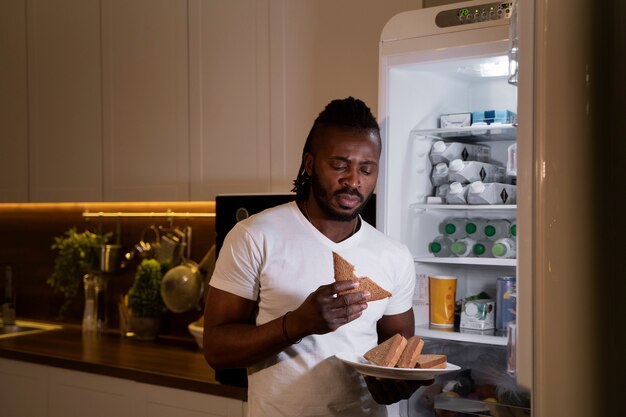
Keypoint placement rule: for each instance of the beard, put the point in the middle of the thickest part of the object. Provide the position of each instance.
(321, 198)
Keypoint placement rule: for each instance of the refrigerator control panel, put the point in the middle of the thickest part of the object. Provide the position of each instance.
(475, 14)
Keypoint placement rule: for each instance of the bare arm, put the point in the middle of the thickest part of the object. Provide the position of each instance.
(403, 323)
(233, 340)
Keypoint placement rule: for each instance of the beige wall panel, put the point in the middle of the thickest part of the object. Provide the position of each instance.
(229, 96)
(329, 50)
(65, 123)
(145, 102)
(13, 102)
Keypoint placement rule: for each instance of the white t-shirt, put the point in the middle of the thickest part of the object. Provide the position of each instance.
(278, 258)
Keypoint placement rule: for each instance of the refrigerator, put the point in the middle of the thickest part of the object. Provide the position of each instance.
(450, 74)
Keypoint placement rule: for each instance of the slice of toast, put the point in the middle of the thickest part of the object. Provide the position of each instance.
(411, 352)
(388, 352)
(432, 361)
(344, 271)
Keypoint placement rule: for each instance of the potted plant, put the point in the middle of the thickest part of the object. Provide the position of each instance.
(144, 300)
(78, 254)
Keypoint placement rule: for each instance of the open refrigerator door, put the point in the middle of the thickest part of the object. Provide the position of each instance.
(448, 184)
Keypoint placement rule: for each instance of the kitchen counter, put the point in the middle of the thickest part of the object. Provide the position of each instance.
(175, 363)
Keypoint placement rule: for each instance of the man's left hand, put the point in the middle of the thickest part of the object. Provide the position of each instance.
(390, 391)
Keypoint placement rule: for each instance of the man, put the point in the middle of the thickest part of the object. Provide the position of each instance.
(273, 306)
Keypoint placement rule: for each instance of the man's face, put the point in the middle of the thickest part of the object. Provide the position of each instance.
(343, 166)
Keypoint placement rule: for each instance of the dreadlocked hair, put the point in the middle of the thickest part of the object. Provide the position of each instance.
(348, 113)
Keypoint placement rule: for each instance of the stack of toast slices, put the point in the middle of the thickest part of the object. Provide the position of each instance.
(400, 352)
(344, 271)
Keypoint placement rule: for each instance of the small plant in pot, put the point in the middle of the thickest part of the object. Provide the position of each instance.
(78, 253)
(144, 300)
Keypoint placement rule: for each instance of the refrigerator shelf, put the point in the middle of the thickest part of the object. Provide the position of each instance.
(468, 261)
(473, 336)
(474, 133)
(481, 207)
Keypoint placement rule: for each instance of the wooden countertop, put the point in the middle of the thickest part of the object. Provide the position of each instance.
(176, 363)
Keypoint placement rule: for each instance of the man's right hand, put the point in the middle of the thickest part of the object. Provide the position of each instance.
(324, 311)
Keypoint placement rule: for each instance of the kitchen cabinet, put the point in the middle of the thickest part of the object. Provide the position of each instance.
(13, 103)
(37, 390)
(64, 100)
(145, 84)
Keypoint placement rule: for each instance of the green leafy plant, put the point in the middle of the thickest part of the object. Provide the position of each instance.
(144, 297)
(78, 254)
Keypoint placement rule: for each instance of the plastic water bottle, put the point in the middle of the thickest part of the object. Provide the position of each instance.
(439, 175)
(504, 248)
(467, 172)
(457, 193)
(498, 228)
(447, 151)
(482, 248)
(440, 246)
(453, 227)
(475, 228)
(491, 193)
(463, 247)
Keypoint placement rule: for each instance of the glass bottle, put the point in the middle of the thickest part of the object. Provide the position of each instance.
(90, 319)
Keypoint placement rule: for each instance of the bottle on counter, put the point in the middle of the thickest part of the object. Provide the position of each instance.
(504, 248)
(440, 246)
(90, 313)
(463, 247)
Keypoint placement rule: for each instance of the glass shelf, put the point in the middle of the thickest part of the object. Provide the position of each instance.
(481, 207)
(461, 335)
(467, 261)
(491, 132)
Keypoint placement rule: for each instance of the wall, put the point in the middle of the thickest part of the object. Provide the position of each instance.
(28, 231)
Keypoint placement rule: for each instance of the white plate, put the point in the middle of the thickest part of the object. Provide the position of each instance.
(361, 364)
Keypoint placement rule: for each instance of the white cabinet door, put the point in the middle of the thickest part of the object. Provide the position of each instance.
(13, 103)
(64, 100)
(37, 390)
(166, 402)
(229, 96)
(23, 389)
(145, 100)
(78, 394)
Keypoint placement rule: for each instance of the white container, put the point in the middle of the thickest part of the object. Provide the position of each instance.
(511, 163)
(498, 228)
(453, 227)
(491, 193)
(440, 246)
(439, 174)
(457, 193)
(463, 247)
(467, 172)
(478, 314)
(448, 151)
(504, 248)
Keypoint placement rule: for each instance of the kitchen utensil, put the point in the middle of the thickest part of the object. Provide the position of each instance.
(110, 258)
(182, 287)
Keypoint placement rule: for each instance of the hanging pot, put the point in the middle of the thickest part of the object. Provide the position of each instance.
(182, 287)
